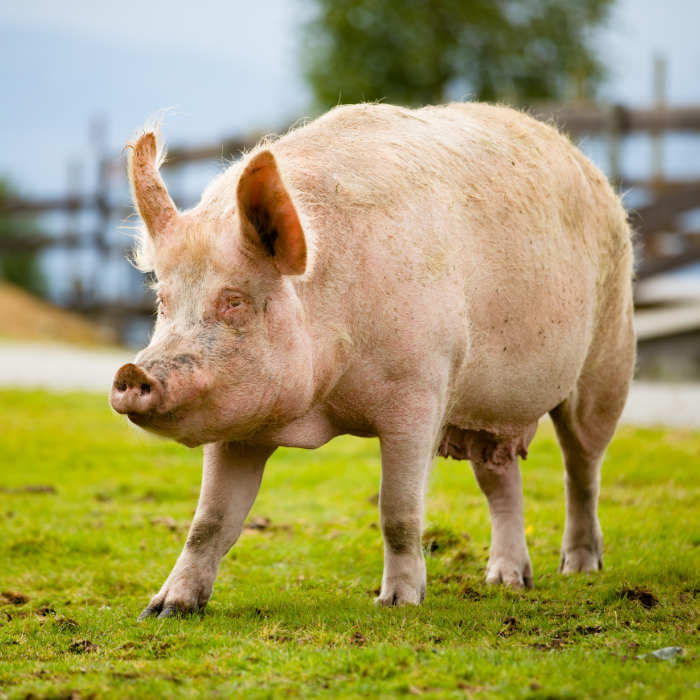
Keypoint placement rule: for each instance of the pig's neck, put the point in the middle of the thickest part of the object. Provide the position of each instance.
(309, 419)
(310, 431)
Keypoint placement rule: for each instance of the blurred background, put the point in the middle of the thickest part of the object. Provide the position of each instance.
(622, 77)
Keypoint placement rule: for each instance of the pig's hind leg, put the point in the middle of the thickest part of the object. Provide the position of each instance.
(230, 482)
(585, 423)
(495, 465)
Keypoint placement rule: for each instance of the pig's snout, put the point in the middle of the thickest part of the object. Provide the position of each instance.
(134, 391)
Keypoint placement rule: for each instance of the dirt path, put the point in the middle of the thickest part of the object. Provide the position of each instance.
(61, 367)
(662, 403)
(65, 368)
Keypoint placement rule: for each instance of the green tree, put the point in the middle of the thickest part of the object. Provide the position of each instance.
(419, 51)
(20, 267)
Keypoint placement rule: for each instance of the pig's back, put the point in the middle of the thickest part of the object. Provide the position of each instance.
(468, 227)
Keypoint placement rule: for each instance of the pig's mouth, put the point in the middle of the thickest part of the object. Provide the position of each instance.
(143, 420)
(164, 424)
(137, 418)
(154, 420)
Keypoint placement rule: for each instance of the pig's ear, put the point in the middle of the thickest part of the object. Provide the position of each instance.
(268, 216)
(147, 187)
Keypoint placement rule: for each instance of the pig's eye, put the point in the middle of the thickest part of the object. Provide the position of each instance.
(232, 308)
(161, 306)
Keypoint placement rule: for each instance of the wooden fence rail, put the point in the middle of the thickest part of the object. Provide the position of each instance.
(581, 119)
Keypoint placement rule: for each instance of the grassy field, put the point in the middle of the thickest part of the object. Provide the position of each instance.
(93, 515)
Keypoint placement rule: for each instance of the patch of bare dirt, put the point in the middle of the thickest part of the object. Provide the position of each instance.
(82, 646)
(260, 523)
(257, 522)
(13, 598)
(30, 488)
(166, 521)
(469, 593)
(556, 641)
(641, 595)
(66, 624)
(358, 639)
(441, 539)
(508, 627)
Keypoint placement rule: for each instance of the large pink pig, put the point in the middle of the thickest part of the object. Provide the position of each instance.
(439, 278)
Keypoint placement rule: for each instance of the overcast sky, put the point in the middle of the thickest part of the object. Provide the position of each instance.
(223, 68)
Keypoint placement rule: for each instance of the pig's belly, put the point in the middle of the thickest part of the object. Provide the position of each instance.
(510, 379)
(526, 336)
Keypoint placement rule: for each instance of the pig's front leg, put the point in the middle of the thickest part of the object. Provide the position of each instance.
(509, 560)
(230, 482)
(405, 467)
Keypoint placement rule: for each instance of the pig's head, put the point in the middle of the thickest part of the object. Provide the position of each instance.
(230, 354)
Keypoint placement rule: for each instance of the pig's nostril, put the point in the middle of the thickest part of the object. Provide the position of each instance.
(134, 390)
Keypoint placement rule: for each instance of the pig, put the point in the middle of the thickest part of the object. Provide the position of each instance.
(439, 278)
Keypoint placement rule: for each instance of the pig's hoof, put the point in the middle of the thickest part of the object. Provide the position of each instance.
(180, 595)
(400, 593)
(580, 560)
(509, 572)
(170, 605)
(162, 610)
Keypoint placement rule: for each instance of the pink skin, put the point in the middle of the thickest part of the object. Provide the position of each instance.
(439, 278)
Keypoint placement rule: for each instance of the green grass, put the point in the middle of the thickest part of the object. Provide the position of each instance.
(292, 612)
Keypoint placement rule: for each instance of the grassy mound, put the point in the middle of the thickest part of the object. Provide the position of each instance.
(26, 317)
